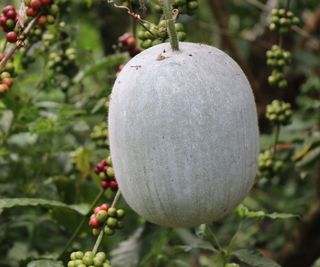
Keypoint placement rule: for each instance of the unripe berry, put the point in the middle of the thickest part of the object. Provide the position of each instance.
(108, 231)
(102, 216)
(79, 255)
(112, 222)
(112, 212)
(120, 213)
(110, 172)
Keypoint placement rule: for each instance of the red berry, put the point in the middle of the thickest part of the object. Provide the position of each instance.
(1, 56)
(4, 88)
(7, 8)
(3, 21)
(11, 14)
(96, 210)
(134, 51)
(46, 2)
(104, 184)
(131, 42)
(104, 207)
(42, 20)
(113, 185)
(12, 37)
(35, 4)
(7, 81)
(94, 223)
(31, 12)
(123, 39)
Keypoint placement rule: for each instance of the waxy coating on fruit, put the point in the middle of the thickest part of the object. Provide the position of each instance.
(174, 128)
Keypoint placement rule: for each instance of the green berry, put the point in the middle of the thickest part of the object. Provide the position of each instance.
(110, 172)
(112, 212)
(101, 255)
(79, 255)
(181, 36)
(179, 27)
(120, 213)
(102, 216)
(108, 231)
(193, 5)
(112, 222)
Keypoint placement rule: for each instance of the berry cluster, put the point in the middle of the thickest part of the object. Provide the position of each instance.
(184, 6)
(268, 167)
(8, 20)
(278, 58)
(80, 259)
(152, 34)
(46, 7)
(105, 171)
(128, 42)
(279, 112)
(107, 218)
(282, 20)
(6, 76)
(63, 62)
(100, 134)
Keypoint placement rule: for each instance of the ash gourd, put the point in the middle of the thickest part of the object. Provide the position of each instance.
(183, 134)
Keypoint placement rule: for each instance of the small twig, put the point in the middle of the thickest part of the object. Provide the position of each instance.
(19, 43)
(100, 236)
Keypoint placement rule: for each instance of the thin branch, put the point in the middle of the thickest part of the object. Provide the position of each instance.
(19, 43)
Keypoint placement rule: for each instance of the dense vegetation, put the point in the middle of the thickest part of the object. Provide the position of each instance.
(59, 61)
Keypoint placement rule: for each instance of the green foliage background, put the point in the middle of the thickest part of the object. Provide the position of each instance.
(47, 156)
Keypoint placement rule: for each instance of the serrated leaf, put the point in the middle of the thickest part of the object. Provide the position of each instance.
(254, 258)
(127, 253)
(45, 263)
(8, 203)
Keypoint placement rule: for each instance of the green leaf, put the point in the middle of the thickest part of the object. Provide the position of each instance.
(45, 263)
(8, 203)
(310, 157)
(103, 65)
(244, 212)
(6, 121)
(276, 215)
(254, 258)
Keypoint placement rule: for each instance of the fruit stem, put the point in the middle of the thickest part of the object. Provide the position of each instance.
(167, 10)
(276, 140)
(100, 236)
(84, 219)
